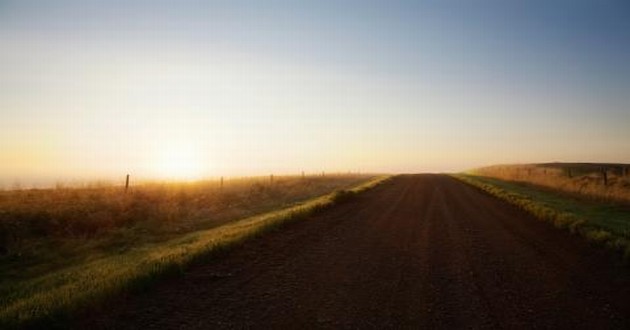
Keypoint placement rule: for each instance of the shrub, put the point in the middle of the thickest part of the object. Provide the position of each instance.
(341, 196)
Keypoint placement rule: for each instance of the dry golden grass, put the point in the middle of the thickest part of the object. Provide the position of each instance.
(158, 209)
(583, 179)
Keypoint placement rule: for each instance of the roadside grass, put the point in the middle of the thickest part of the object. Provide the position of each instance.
(600, 222)
(50, 299)
(603, 182)
(44, 230)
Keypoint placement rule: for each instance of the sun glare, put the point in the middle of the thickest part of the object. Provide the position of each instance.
(178, 162)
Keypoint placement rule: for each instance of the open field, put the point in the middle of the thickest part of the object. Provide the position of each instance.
(69, 248)
(607, 182)
(423, 251)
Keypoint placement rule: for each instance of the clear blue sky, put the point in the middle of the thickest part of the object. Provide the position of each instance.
(93, 89)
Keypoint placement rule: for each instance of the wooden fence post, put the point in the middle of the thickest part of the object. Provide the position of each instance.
(605, 176)
(127, 183)
(221, 183)
(271, 178)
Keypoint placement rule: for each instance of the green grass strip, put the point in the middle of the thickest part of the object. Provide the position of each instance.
(51, 299)
(605, 224)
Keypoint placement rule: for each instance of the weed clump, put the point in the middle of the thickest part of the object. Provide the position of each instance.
(342, 196)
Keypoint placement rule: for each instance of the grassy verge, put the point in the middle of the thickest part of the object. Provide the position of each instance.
(50, 299)
(603, 182)
(602, 223)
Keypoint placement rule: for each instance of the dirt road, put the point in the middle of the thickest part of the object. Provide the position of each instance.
(422, 251)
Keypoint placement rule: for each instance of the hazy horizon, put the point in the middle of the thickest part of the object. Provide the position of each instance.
(93, 90)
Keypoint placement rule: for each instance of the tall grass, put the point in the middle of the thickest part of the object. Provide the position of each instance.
(160, 209)
(49, 297)
(576, 178)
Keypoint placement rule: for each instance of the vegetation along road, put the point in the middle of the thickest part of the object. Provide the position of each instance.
(421, 251)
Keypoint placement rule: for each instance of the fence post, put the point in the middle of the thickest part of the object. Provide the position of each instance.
(271, 178)
(127, 183)
(605, 176)
(221, 186)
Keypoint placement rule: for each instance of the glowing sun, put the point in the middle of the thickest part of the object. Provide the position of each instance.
(178, 161)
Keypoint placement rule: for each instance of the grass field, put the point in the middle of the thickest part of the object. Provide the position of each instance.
(65, 249)
(603, 222)
(604, 182)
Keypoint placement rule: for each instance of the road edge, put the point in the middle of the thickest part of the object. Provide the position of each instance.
(559, 219)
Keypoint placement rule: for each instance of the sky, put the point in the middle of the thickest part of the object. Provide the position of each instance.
(93, 90)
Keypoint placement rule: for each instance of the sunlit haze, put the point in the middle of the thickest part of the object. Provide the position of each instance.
(93, 90)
